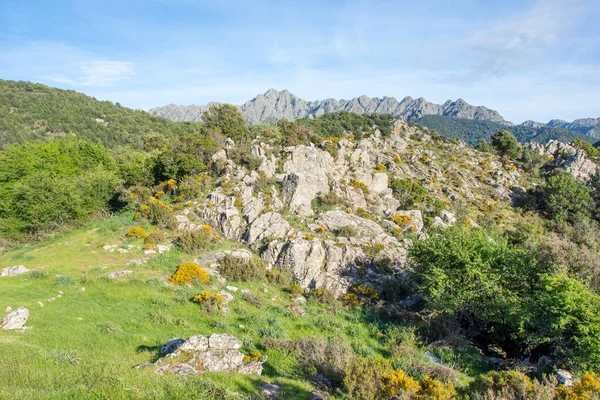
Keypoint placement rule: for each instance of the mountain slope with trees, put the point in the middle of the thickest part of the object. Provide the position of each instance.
(35, 112)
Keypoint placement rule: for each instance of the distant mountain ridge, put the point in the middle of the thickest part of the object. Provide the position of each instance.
(275, 105)
(586, 126)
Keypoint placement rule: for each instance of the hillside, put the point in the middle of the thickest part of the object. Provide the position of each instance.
(473, 131)
(320, 259)
(34, 112)
(276, 105)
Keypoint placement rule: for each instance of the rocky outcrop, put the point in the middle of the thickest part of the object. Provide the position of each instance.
(445, 219)
(308, 172)
(217, 256)
(221, 213)
(338, 219)
(14, 271)
(199, 354)
(579, 165)
(15, 320)
(268, 226)
(276, 105)
(568, 158)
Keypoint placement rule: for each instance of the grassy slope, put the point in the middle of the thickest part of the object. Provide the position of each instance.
(85, 344)
(35, 112)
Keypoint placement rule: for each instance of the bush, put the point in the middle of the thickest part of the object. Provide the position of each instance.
(408, 192)
(565, 198)
(364, 378)
(160, 213)
(347, 231)
(240, 269)
(566, 317)
(155, 238)
(330, 358)
(197, 240)
(359, 185)
(501, 278)
(211, 301)
(506, 144)
(188, 273)
(588, 387)
(137, 232)
(514, 384)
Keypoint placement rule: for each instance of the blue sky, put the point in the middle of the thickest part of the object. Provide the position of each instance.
(527, 59)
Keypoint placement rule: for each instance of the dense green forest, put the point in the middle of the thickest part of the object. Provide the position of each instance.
(473, 131)
(35, 112)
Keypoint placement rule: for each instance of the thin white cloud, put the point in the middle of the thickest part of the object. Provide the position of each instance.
(98, 73)
(61, 63)
(521, 39)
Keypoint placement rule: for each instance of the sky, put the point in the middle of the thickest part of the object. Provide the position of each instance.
(535, 60)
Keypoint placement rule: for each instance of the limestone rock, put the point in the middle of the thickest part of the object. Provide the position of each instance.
(308, 172)
(14, 271)
(268, 226)
(15, 320)
(199, 354)
(445, 219)
(217, 256)
(304, 259)
(119, 273)
(337, 219)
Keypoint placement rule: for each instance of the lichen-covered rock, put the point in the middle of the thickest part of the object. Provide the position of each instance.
(304, 259)
(444, 219)
(14, 271)
(15, 320)
(268, 226)
(337, 219)
(217, 256)
(308, 172)
(119, 273)
(199, 354)
(580, 166)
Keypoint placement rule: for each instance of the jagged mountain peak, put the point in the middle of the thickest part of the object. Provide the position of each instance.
(274, 105)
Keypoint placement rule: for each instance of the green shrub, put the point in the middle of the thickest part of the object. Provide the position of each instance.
(514, 384)
(347, 231)
(196, 240)
(408, 192)
(364, 378)
(155, 238)
(565, 198)
(566, 317)
(240, 269)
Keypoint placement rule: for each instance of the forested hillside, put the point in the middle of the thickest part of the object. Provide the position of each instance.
(473, 131)
(35, 112)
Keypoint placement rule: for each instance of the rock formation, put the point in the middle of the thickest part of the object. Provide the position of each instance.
(276, 105)
(199, 354)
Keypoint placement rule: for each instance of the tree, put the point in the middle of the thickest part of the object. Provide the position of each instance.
(190, 155)
(43, 186)
(229, 120)
(506, 144)
(565, 198)
(484, 146)
(566, 315)
(481, 281)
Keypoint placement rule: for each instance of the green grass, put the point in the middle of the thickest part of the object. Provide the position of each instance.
(85, 344)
